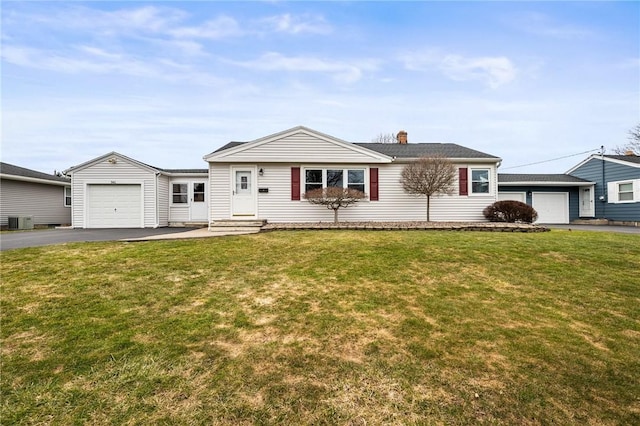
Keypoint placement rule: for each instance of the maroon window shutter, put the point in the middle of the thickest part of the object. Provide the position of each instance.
(373, 184)
(295, 184)
(463, 180)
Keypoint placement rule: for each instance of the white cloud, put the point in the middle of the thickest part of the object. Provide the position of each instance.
(493, 71)
(341, 71)
(89, 59)
(221, 27)
(288, 23)
(540, 24)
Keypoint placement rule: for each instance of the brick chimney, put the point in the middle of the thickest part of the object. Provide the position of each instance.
(402, 137)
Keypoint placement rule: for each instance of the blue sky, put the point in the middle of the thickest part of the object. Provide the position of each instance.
(168, 82)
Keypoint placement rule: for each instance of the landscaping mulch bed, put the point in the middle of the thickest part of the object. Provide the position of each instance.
(408, 226)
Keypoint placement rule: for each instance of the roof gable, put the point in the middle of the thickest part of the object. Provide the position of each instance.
(625, 160)
(10, 171)
(299, 144)
(112, 157)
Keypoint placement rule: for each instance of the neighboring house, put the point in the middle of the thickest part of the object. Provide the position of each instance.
(616, 193)
(44, 197)
(558, 198)
(115, 191)
(266, 179)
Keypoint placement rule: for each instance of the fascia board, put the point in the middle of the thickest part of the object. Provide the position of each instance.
(540, 183)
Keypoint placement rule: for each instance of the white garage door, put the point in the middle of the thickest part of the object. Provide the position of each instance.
(114, 206)
(552, 207)
(516, 196)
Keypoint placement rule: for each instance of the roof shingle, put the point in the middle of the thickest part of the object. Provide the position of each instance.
(10, 169)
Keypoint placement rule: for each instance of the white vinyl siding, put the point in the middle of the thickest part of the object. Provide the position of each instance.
(394, 204)
(220, 190)
(163, 200)
(45, 203)
(301, 147)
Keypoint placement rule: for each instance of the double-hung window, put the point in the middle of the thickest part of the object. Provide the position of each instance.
(67, 196)
(337, 178)
(626, 191)
(480, 181)
(180, 193)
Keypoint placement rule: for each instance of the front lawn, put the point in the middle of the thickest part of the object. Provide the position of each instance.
(325, 327)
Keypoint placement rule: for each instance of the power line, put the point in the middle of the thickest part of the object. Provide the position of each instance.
(553, 159)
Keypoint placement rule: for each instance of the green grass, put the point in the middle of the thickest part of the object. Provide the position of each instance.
(325, 327)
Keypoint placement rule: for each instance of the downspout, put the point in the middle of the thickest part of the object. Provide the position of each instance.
(604, 185)
(157, 225)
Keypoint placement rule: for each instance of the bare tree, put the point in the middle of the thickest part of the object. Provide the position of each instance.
(385, 138)
(334, 198)
(429, 176)
(633, 145)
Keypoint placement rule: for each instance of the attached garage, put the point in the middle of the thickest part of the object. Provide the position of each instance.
(552, 207)
(115, 191)
(554, 196)
(114, 206)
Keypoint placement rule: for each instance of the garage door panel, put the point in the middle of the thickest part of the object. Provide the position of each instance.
(114, 206)
(515, 196)
(552, 207)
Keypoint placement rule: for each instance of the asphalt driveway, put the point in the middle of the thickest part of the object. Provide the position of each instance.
(45, 237)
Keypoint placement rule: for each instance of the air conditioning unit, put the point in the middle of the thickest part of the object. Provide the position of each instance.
(20, 222)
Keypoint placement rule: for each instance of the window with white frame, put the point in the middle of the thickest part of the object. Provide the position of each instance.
(627, 191)
(67, 196)
(480, 181)
(339, 178)
(179, 193)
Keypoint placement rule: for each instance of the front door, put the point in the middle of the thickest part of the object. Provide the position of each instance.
(243, 193)
(586, 202)
(198, 201)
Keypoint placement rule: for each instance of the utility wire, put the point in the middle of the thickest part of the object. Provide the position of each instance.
(553, 159)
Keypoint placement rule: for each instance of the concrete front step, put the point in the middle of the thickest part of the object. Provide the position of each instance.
(237, 226)
(188, 224)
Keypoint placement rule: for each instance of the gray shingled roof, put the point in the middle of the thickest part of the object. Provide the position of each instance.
(410, 150)
(229, 145)
(184, 170)
(629, 158)
(555, 178)
(10, 169)
(415, 150)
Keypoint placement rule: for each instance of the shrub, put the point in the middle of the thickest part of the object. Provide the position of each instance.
(510, 211)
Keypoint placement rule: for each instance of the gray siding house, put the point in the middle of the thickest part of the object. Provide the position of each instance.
(25, 192)
(617, 185)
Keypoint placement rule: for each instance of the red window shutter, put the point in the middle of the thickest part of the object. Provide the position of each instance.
(463, 180)
(373, 184)
(295, 184)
